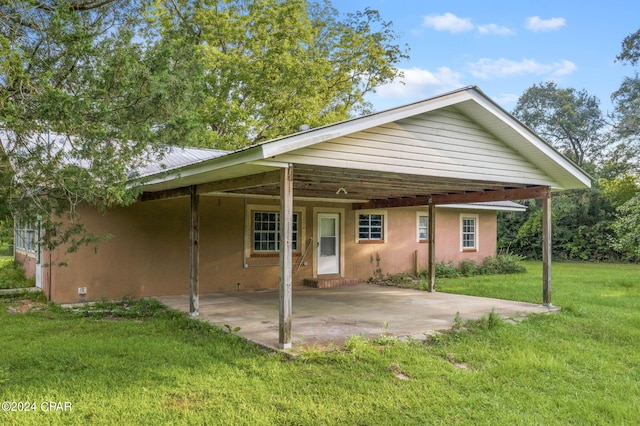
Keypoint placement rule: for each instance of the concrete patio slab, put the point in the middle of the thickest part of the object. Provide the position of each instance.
(330, 316)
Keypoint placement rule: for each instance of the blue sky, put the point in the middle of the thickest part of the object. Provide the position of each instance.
(505, 47)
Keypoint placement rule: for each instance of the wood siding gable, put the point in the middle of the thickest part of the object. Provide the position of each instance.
(443, 143)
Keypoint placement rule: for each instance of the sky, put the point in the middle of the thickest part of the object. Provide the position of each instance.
(505, 47)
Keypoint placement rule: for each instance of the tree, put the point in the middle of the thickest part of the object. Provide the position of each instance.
(570, 120)
(627, 228)
(92, 89)
(630, 49)
(273, 65)
(78, 73)
(627, 126)
(626, 101)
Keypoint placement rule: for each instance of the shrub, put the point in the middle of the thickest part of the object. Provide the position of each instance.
(469, 268)
(446, 270)
(12, 276)
(492, 265)
(503, 264)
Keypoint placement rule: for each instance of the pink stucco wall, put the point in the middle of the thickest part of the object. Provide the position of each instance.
(149, 252)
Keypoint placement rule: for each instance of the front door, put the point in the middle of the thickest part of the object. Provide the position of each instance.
(328, 243)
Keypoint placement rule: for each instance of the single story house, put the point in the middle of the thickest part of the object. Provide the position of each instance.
(383, 193)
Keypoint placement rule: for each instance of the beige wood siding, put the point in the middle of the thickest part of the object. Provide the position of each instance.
(442, 143)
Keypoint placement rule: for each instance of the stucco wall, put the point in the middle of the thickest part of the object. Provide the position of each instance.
(28, 262)
(149, 252)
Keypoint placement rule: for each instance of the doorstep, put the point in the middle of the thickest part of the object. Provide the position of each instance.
(330, 282)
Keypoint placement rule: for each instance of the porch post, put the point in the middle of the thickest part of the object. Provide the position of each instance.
(432, 247)
(194, 253)
(546, 250)
(286, 234)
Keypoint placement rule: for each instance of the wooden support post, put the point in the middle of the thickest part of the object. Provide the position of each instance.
(194, 253)
(286, 261)
(546, 250)
(432, 247)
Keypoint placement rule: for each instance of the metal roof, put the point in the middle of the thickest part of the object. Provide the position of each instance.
(177, 157)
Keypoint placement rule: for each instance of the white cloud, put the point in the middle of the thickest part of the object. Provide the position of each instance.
(421, 83)
(454, 24)
(495, 29)
(564, 68)
(506, 99)
(487, 68)
(448, 22)
(535, 23)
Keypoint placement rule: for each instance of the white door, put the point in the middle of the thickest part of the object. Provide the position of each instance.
(328, 243)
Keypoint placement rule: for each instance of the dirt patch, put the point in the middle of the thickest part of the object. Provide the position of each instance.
(461, 365)
(25, 305)
(397, 371)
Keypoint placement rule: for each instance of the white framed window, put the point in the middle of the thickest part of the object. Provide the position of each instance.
(25, 237)
(262, 230)
(266, 232)
(468, 232)
(422, 227)
(371, 226)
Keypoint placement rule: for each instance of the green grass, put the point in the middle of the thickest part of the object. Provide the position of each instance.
(147, 365)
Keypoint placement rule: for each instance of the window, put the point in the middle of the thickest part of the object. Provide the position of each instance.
(26, 237)
(266, 232)
(371, 227)
(469, 225)
(422, 227)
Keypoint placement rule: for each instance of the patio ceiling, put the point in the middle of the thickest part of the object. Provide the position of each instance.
(347, 185)
(363, 188)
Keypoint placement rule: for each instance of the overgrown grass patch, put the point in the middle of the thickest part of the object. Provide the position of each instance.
(580, 366)
(12, 275)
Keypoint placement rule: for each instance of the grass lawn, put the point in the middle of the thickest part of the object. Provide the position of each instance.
(581, 366)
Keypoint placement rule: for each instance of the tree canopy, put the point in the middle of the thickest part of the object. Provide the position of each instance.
(92, 89)
(272, 65)
(569, 119)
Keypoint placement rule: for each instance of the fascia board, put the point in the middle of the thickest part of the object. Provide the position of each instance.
(529, 136)
(481, 207)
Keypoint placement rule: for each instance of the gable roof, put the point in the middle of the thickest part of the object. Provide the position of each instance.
(559, 172)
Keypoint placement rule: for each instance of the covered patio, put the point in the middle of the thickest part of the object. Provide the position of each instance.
(324, 317)
(459, 147)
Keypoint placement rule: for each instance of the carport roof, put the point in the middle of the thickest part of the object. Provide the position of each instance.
(322, 179)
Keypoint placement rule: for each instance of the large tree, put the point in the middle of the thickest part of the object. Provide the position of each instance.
(627, 126)
(275, 65)
(569, 119)
(626, 102)
(92, 89)
(84, 99)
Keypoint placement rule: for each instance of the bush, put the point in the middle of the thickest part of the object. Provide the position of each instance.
(469, 268)
(503, 264)
(12, 276)
(446, 270)
(492, 265)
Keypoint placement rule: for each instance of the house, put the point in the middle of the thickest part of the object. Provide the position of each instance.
(325, 206)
